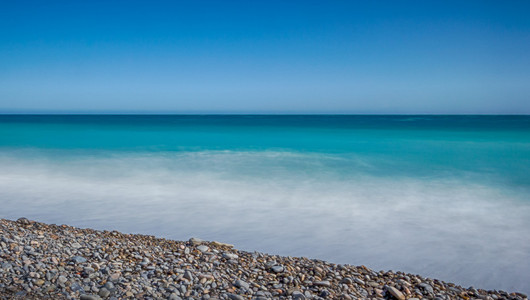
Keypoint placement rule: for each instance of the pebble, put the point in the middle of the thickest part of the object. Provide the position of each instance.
(230, 256)
(395, 292)
(297, 295)
(426, 287)
(235, 297)
(277, 269)
(89, 297)
(76, 245)
(78, 259)
(104, 292)
(203, 248)
(241, 284)
(62, 279)
(196, 241)
(322, 283)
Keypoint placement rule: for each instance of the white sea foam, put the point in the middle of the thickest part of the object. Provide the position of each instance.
(452, 228)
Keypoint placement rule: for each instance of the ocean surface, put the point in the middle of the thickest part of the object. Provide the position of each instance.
(442, 196)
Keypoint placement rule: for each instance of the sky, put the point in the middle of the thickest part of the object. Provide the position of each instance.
(346, 57)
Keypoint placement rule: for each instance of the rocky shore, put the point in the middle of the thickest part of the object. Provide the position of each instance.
(62, 262)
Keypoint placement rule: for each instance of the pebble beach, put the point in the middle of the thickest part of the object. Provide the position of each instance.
(47, 261)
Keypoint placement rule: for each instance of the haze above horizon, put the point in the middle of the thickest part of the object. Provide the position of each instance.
(237, 57)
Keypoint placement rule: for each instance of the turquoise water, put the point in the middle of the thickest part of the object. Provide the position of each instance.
(443, 196)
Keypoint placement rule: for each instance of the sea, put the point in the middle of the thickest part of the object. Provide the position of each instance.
(446, 197)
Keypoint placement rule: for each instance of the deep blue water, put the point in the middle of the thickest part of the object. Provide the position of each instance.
(444, 196)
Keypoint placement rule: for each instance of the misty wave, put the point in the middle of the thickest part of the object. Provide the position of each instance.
(453, 228)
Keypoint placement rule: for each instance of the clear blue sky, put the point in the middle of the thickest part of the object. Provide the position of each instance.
(265, 56)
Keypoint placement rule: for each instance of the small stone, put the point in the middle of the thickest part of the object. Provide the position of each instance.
(324, 293)
(346, 281)
(109, 285)
(76, 287)
(426, 287)
(104, 292)
(196, 241)
(219, 244)
(230, 256)
(242, 284)
(114, 277)
(297, 295)
(76, 245)
(174, 296)
(39, 282)
(358, 281)
(395, 292)
(62, 279)
(277, 269)
(203, 248)
(78, 259)
(50, 288)
(322, 283)
(23, 221)
(89, 297)
(188, 275)
(235, 297)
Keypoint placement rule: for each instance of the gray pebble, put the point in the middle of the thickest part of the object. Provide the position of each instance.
(242, 284)
(78, 259)
(89, 297)
(235, 297)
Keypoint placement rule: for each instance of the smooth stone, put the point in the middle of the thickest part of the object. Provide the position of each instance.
(196, 241)
(62, 279)
(39, 282)
(174, 296)
(346, 281)
(51, 288)
(114, 277)
(324, 293)
(78, 259)
(188, 275)
(426, 287)
(219, 244)
(242, 284)
(358, 281)
(23, 220)
(202, 248)
(235, 297)
(89, 297)
(76, 245)
(395, 292)
(230, 256)
(277, 269)
(76, 287)
(109, 285)
(298, 295)
(322, 283)
(104, 292)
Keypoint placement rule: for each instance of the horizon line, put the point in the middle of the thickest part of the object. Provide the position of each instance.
(112, 113)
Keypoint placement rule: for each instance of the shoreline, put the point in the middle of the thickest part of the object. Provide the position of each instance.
(40, 260)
